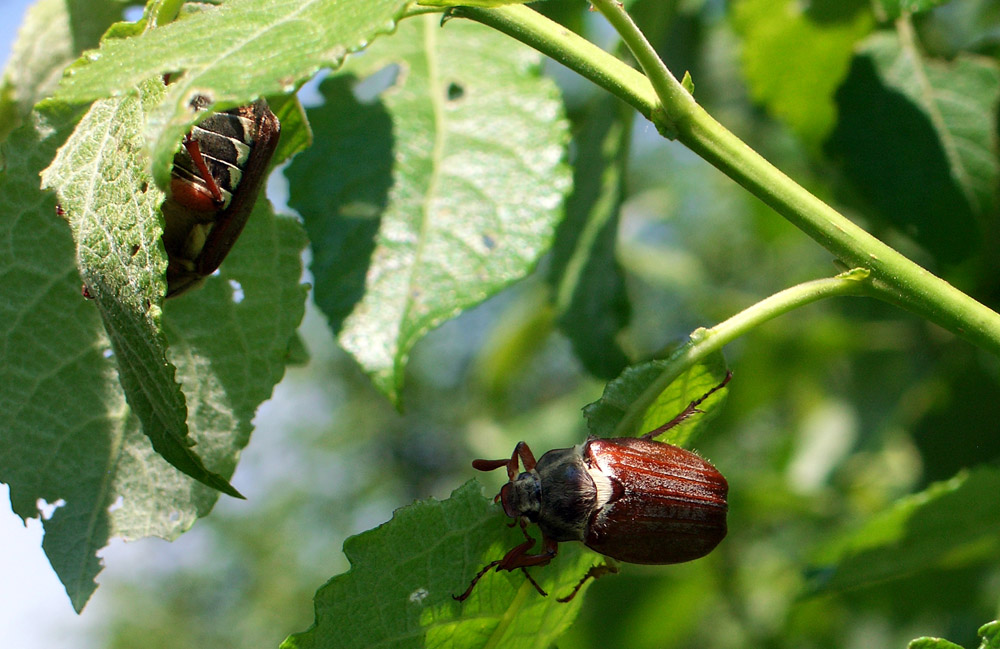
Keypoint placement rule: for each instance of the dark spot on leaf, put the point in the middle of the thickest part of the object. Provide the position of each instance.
(455, 91)
(489, 242)
(199, 101)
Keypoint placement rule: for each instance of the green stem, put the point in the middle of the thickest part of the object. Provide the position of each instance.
(578, 54)
(705, 342)
(161, 12)
(661, 98)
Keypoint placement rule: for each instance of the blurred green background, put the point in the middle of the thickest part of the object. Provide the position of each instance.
(835, 412)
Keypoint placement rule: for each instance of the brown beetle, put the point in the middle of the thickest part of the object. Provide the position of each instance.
(214, 183)
(629, 498)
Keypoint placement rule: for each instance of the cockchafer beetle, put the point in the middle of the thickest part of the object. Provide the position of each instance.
(629, 498)
(214, 183)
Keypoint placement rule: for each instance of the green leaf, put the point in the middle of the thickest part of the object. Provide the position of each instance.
(795, 55)
(232, 53)
(432, 196)
(932, 643)
(950, 524)
(471, 3)
(587, 280)
(66, 434)
(918, 138)
(111, 204)
(605, 416)
(404, 573)
(52, 35)
(990, 634)
(893, 9)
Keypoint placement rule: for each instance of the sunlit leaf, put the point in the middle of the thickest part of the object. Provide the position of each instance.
(404, 573)
(605, 416)
(950, 524)
(232, 53)
(434, 194)
(795, 55)
(918, 138)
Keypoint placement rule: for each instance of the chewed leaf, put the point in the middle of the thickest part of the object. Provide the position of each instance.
(435, 194)
(112, 206)
(218, 52)
(404, 573)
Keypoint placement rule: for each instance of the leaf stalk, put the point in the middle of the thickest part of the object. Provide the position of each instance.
(660, 97)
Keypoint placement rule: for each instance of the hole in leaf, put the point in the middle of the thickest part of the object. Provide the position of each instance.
(46, 509)
(368, 89)
(237, 291)
(132, 13)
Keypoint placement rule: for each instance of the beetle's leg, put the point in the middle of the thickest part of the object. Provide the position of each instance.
(691, 409)
(489, 465)
(533, 582)
(517, 557)
(595, 572)
(520, 451)
(527, 458)
(499, 564)
(475, 580)
(194, 150)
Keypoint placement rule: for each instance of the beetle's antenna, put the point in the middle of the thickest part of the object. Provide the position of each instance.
(691, 409)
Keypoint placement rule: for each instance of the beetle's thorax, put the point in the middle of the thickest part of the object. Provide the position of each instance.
(569, 491)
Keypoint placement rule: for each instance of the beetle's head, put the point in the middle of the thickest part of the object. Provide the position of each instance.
(522, 496)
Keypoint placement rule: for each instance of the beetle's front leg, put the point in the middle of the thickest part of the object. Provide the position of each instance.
(518, 556)
(194, 150)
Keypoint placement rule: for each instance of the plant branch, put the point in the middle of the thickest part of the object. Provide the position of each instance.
(662, 99)
(705, 342)
(576, 53)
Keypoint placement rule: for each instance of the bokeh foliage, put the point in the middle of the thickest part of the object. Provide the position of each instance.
(859, 442)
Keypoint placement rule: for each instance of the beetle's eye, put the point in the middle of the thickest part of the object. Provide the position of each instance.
(505, 499)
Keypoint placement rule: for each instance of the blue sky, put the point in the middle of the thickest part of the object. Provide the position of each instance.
(10, 17)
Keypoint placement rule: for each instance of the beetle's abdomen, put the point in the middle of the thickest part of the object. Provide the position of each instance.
(225, 140)
(668, 505)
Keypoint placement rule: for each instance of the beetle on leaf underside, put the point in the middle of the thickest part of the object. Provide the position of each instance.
(215, 180)
(629, 498)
